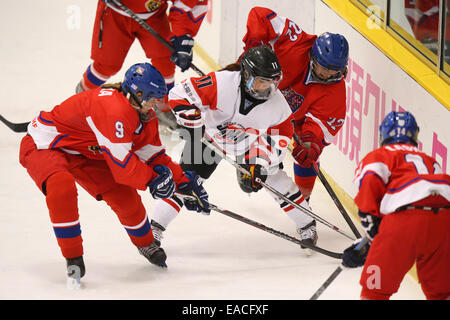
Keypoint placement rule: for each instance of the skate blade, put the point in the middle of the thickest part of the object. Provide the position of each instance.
(73, 283)
(162, 265)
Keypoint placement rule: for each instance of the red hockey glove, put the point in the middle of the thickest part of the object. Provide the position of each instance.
(308, 151)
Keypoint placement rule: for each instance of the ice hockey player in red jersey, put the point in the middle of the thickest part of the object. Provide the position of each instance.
(404, 207)
(107, 141)
(423, 17)
(239, 110)
(313, 84)
(115, 31)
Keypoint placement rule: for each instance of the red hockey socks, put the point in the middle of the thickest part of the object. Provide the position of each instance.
(127, 204)
(62, 203)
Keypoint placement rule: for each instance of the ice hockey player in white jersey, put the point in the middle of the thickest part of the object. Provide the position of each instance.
(240, 110)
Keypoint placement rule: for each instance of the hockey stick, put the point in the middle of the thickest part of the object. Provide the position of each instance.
(336, 200)
(274, 191)
(16, 127)
(338, 270)
(266, 228)
(144, 25)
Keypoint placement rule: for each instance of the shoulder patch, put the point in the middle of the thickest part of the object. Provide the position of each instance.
(294, 99)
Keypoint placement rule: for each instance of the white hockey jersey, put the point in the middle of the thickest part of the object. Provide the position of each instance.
(238, 126)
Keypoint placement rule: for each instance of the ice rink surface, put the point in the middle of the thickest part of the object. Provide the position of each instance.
(42, 57)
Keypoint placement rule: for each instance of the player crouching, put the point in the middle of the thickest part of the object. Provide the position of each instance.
(106, 140)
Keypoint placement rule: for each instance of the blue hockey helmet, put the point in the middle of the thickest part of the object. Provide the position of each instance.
(399, 127)
(330, 50)
(144, 78)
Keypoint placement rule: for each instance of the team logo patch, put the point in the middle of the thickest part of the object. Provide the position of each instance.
(231, 133)
(140, 70)
(152, 5)
(294, 99)
(94, 149)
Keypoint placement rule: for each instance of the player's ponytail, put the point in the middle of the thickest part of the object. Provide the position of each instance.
(117, 86)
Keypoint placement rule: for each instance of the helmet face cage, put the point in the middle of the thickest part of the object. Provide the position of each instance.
(331, 52)
(261, 71)
(399, 127)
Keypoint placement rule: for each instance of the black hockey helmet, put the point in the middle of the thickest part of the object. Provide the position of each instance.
(261, 72)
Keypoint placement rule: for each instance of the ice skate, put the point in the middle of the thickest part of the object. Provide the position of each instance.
(157, 232)
(75, 271)
(79, 88)
(154, 254)
(308, 234)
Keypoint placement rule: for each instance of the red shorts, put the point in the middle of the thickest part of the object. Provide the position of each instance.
(404, 238)
(119, 33)
(93, 175)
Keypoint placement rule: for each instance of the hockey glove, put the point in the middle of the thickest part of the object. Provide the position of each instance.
(182, 54)
(355, 255)
(307, 152)
(247, 182)
(370, 223)
(194, 188)
(163, 185)
(188, 116)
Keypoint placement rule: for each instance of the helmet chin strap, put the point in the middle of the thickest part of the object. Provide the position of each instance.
(144, 117)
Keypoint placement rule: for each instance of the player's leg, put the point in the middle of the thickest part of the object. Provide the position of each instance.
(160, 58)
(305, 179)
(96, 178)
(50, 171)
(306, 226)
(111, 40)
(433, 263)
(127, 204)
(391, 255)
(154, 49)
(195, 157)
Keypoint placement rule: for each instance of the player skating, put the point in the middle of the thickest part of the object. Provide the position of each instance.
(242, 112)
(404, 207)
(107, 141)
(115, 31)
(313, 84)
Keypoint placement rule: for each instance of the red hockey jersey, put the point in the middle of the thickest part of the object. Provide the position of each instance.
(397, 175)
(101, 124)
(185, 16)
(319, 108)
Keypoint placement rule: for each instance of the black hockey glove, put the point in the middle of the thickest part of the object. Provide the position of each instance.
(163, 185)
(247, 182)
(182, 54)
(194, 188)
(355, 255)
(370, 223)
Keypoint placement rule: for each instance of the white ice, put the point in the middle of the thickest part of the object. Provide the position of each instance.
(42, 57)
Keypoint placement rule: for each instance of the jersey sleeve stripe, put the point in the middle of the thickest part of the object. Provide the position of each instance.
(327, 135)
(378, 168)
